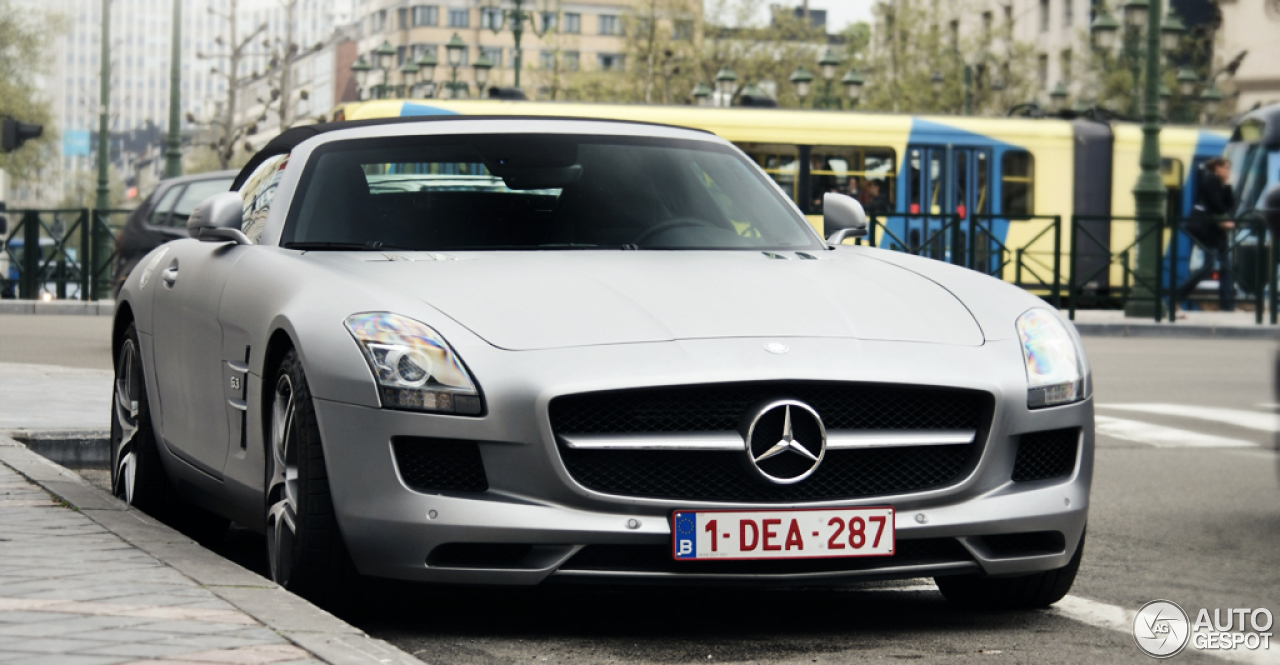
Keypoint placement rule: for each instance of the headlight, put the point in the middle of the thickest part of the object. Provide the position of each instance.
(415, 368)
(1055, 367)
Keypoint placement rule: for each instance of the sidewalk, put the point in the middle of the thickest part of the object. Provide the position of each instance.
(86, 581)
(1216, 325)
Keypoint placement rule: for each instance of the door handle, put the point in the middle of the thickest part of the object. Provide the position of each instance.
(170, 275)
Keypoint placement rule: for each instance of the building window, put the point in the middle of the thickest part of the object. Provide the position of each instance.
(401, 52)
(955, 35)
(494, 53)
(1017, 183)
(1068, 12)
(402, 16)
(459, 18)
(420, 50)
(491, 18)
(547, 60)
(682, 30)
(378, 20)
(1065, 62)
(610, 62)
(609, 25)
(572, 23)
(572, 60)
(1008, 15)
(986, 26)
(549, 21)
(1042, 71)
(1044, 15)
(426, 15)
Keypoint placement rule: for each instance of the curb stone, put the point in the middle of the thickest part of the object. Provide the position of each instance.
(326, 636)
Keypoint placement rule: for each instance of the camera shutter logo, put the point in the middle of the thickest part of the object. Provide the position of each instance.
(1161, 628)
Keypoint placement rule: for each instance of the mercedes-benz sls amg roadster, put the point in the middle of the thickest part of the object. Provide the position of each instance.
(519, 351)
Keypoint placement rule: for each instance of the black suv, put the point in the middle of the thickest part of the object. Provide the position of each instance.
(163, 217)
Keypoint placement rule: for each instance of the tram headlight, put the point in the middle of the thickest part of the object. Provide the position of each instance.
(1054, 362)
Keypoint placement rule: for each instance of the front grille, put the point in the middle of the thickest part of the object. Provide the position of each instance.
(722, 476)
(657, 558)
(1047, 454)
(440, 464)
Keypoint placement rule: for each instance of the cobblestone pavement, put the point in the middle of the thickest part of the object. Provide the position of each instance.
(73, 593)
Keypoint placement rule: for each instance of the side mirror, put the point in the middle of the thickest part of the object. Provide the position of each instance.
(218, 219)
(842, 217)
(1270, 207)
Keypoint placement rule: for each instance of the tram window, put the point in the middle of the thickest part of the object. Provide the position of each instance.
(1017, 179)
(1171, 173)
(914, 180)
(1254, 178)
(935, 182)
(780, 161)
(867, 174)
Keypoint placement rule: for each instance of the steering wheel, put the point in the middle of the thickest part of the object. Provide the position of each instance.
(673, 223)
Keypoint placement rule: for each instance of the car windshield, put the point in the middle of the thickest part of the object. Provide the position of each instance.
(539, 191)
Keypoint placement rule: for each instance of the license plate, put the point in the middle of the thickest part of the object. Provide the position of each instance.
(782, 534)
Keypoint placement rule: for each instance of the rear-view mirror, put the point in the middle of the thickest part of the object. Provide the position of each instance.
(218, 219)
(842, 217)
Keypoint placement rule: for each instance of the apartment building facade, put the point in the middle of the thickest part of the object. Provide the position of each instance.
(566, 36)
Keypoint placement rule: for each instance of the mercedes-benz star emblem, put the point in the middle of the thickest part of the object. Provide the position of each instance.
(785, 440)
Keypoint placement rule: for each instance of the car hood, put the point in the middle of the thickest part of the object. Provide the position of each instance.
(556, 299)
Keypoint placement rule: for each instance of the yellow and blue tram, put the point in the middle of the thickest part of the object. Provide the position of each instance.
(965, 189)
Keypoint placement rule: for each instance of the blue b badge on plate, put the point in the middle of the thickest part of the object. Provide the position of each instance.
(686, 545)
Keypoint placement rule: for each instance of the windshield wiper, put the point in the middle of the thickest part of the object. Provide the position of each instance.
(359, 246)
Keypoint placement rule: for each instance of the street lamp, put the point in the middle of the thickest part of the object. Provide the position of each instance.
(802, 80)
(726, 81)
(1149, 192)
(1104, 29)
(173, 145)
(1171, 31)
(384, 54)
(453, 52)
(936, 82)
(853, 83)
(1058, 96)
(517, 17)
(1187, 81)
(408, 72)
(427, 72)
(1209, 100)
(361, 70)
(1135, 12)
(701, 94)
(482, 67)
(827, 65)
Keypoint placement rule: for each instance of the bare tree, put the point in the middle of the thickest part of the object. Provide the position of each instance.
(228, 131)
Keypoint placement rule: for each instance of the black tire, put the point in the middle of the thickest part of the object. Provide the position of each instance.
(304, 546)
(1023, 592)
(137, 474)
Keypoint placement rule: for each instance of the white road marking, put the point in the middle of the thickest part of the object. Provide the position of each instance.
(1161, 436)
(1114, 617)
(1262, 422)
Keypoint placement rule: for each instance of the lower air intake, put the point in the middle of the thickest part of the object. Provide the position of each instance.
(434, 465)
(1047, 454)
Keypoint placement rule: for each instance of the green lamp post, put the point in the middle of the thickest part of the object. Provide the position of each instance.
(517, 16)
(1210, 99)
(361, 68)
(384, 54)
(482, 66)
(453, 51)
(853, 83)
(1058, 96)
(173, 144)
(726, 84)
(102, 246)
(1149, 192)
(701, 94)
(827, 72)
(802, 80)
(427, 72)
(408, 74)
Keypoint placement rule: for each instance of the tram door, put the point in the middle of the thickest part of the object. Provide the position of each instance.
(943, 181)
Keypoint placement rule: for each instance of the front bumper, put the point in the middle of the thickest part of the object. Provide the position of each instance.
(392, 531)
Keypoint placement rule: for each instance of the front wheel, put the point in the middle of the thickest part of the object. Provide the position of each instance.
(137, 475)
(1012, 593)
(304, 547)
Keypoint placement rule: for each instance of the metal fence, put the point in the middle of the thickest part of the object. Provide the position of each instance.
(1096, 265)
(74, 253)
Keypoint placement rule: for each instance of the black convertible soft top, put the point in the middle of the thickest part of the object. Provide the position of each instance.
(290, 138)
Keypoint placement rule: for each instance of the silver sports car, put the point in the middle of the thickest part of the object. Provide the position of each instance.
(517, 351)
